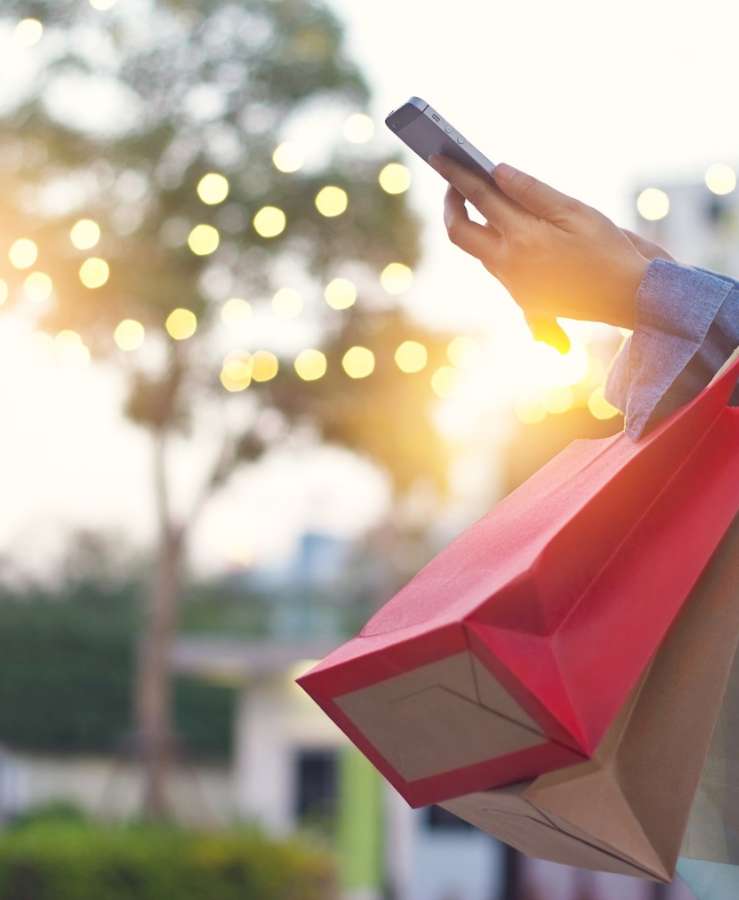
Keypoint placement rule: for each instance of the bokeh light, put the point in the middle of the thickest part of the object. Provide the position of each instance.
(213, 188)
(129, 334)
(287, 157)
(310, 364)
(599, 407)
(236, 310)
(444, 381)
(720, 179)
(269, 221)
(38, 286)
(559, 399)
(94, 272)
(653, 204)
(236, 372)
(395, 178)
(265, 365)
(103, 5)
(28, 32)
(529, 412)
(23, 253)
(287, 303)
(70, 348)
(411, 356)
(396, 278)
(340, 293)
(331, 201)
(359, 128)
(358, 362)
(84, 234)
(464, 351)
(203, 240)
(181, 324)
(3, 291)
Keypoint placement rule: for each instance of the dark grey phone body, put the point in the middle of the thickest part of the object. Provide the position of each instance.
(425, 131)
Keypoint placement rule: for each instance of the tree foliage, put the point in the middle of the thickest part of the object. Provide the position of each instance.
(204, 86)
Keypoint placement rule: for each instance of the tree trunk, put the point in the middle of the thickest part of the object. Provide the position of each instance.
(154, 726)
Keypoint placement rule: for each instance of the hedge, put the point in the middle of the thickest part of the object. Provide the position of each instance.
(66, 677)
(78, 861)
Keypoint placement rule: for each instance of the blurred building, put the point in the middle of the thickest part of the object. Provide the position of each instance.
(696, 221)
(293, 768)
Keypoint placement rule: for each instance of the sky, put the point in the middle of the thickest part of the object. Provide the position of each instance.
(595, 98)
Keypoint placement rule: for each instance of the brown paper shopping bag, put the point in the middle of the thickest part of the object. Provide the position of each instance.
(626, 810)
(713, 826)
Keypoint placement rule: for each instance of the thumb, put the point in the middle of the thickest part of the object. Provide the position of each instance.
(533, 195)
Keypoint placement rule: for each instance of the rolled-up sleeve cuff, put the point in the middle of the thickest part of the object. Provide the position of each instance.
(675, 306)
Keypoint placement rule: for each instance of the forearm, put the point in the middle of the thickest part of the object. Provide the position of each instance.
(686, 326)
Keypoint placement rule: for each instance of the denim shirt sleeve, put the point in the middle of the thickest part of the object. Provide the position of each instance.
(686, 327)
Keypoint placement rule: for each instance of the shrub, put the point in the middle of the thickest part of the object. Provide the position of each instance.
(77, 861)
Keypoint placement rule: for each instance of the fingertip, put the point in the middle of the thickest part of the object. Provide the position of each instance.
(504, 172)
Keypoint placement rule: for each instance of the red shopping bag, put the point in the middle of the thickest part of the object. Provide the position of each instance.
(513, 650)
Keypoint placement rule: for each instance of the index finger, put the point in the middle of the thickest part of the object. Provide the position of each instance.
(485, 195)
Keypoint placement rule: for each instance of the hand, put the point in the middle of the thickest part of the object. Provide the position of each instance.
(647, 248)
(555, 255)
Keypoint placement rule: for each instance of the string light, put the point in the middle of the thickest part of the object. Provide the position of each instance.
(269, 221)
(358, 362)
(265, 365)
(181, 324)
(203, 240)
(28, 32)
(599, 407)
(287, 303)
(67, 337)
(236, 372)
(71, 348)
(463, 351)
(396, 278)
(94, 272)
(213, 188)
(443, 381)
(331, 201)
(720, 179)
(287, 157)
(395, 178)
(84, 234)
(529, 412)
(38, 286)
(411, 356)
(129, 334)
(235, 311)
(23, 253)
(310, 364)
(340, 293)
(559, 399)
(653, 204)
(359, 128)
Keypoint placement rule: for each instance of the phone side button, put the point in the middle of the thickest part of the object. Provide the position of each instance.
(460, 140)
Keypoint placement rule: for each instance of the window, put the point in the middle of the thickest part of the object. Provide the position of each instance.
(316, 786)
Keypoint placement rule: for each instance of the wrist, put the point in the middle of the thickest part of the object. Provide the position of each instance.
(625, 303)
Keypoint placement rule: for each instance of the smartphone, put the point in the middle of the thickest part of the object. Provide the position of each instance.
(426, 132)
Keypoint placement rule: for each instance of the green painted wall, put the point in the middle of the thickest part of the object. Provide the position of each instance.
(360, 822)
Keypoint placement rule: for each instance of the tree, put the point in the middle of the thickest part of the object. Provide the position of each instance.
(128, 111)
